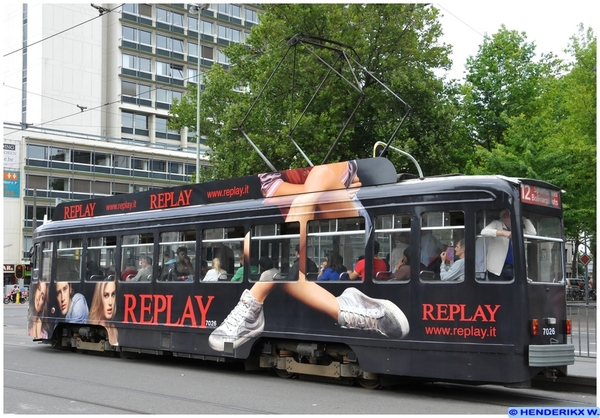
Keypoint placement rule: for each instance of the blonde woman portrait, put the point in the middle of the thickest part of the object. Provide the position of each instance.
(104, 308)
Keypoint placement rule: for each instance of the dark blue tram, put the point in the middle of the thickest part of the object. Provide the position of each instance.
(344, 270)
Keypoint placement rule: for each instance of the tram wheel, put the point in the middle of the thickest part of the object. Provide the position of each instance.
(284, 373)
(369, 383)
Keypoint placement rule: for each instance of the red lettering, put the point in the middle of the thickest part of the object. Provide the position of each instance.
(203, 309)
(160, 304)
(146, 306)
(153, 204)
(480, 314)
(462, 314)
(427, 311)
(442, 310)
(129, 307)
(492, 312)
(188, 313)
(454, 309)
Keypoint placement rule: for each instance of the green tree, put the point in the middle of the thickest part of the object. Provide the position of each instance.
(502, 82)
(397, 43)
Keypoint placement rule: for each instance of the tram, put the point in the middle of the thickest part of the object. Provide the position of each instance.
(448, 278)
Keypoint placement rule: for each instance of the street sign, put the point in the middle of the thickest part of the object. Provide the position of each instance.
(585, 259)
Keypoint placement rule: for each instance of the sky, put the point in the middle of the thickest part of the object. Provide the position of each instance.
(548, 24)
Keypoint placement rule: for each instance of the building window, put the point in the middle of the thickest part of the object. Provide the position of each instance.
(137, 36)
(81, 186)
(82, 157)
(169, 17)
(159, 166)
(251, 16)
(222, 58)
(207, 28)
(192, 24)
(207, 53)
(138, 9)
(59, 184)
(169, 44)
(132, 123)
(121, 161)
(36, 182)
(192, 49)
(192, 75)
(136, 93)
(37, 152)
(133, 62)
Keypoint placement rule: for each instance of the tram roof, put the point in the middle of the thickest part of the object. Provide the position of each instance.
(372, 172)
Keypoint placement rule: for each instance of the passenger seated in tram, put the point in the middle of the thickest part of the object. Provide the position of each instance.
(332, 268)
(145, 273)
(380, 267)
(311, 267)
(269, 272)
(456, 271)
(239, 274)
(130, 270)
(184, 267)
(402, 267)
(216, 273)
(402, 241)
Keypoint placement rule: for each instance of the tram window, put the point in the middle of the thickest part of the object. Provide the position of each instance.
(343, 237)
(177, 256)
(68, 260)
(276, 245)
(224, 245)
(36, 261)
(494, 256)
(441, 247)
(392, 232)
(100, 258)
(47, 250)
(544, 250)
(134, 249)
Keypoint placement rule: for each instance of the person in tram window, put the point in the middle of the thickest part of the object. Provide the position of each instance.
(456, 272)
(239, 274)
(104, 308)
(500, 258)
(402, 241)
(183, 268)
(332, 268)
(144, 274)
(402, 268)
(304, 190)
(294, 272)
(380, 268)
(73, 306)
(268, 270)
(129, 271)
(216, 273)
(37, 327)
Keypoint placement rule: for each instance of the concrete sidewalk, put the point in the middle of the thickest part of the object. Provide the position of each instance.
(583, 367)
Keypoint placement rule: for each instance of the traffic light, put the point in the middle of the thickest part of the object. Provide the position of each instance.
(19, 271)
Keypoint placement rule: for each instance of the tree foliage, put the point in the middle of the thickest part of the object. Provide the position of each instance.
(397, 43)
(555, 140)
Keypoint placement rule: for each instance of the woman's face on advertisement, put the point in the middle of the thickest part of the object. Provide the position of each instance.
(109, 295)
(40, 296)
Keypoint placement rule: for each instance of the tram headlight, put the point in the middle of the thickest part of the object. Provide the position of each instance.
(535, 327)
(568, 327)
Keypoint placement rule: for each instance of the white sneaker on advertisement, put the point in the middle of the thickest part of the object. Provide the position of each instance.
(359, 311)
(245, 321)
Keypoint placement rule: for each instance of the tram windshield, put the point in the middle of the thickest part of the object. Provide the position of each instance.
(543, 245)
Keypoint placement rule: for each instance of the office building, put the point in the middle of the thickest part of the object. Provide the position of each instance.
(87, 92)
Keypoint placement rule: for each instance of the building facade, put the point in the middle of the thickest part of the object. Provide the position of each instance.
(87, 93)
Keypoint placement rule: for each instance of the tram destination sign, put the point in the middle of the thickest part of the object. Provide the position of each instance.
(371, 172)
(540, 196)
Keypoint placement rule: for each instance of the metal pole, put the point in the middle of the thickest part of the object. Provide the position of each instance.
(198, 101)
(197, 8)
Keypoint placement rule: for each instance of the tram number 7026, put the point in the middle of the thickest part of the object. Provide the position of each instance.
(548, 331)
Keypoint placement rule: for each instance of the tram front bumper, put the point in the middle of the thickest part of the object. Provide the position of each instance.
(551, 355)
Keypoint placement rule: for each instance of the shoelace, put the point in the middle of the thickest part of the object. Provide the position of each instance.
(360, 321)
(237, 316)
